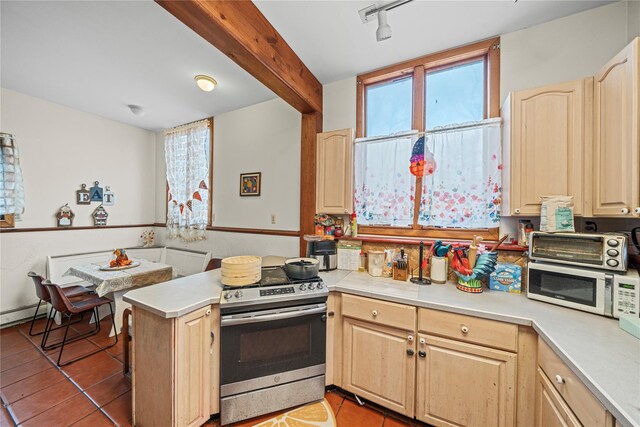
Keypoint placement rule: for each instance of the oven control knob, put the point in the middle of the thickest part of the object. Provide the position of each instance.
(612, 252)
(613, 242)
(238, 294)
(319, 286)
(612, 263)
(311, 286)
(303, 287)
(227, 295)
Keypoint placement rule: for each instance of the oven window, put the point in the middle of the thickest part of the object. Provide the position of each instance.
(268, 346)
(581, 290)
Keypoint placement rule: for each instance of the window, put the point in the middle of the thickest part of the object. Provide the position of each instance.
(435, 93)
(11, 188)
(188, 150)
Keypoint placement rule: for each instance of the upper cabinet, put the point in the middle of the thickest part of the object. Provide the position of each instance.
(616, 177)
(544, 139)
(334, 172)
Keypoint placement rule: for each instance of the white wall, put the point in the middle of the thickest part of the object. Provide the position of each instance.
(339, 105)
(633, 19)
(61, 148)
(565, 49)
(262, 138)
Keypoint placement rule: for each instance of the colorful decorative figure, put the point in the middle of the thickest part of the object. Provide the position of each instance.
(422, 160)
(65, 216)
(470, 276)
(100, 216)
(108, 198)
(95, 192)
(82, 196)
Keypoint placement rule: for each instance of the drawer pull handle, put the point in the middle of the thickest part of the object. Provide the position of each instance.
(559, 379)
(624, 211)
(423, 341)
(422, 353)
(517, 210)
(464, 329)
(208, 312)
(410, 338)
(330, 314)
(410, 352)
(374, 313)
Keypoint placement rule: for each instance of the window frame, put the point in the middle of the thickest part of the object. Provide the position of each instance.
(210, 208)
(487, 50)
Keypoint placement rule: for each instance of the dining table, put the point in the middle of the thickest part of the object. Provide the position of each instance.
(115, 282)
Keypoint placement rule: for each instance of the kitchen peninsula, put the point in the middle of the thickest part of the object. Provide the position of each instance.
(593, 360)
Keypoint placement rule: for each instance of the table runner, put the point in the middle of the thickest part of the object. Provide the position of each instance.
(147, 273)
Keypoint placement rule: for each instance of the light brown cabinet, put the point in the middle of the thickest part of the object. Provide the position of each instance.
(334, 172)
(616, 151)
(466, 370)
(551, 409)
(379, 359)
(175, 369)
(544, 139)
(558, 386)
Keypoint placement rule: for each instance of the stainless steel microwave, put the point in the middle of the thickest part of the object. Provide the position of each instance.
(600, 292)
(607, 251)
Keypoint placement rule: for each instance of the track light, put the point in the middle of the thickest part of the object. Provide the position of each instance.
(384, 30)
(372, 12)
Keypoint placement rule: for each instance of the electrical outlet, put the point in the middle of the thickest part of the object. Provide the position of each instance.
(273, 218)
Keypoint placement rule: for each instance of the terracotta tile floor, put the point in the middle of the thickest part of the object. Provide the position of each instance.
(94, 392)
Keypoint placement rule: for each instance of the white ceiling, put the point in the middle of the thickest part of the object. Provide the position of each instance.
(100, 56)
(333, 42)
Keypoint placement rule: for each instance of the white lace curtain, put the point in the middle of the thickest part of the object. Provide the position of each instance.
(384, 187)
(11, 187)
(187, 153)
(465, 189)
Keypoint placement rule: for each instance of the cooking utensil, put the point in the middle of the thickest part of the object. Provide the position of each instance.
(240, 270)
(302, 268)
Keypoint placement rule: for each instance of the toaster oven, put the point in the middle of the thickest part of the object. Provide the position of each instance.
(607, 251)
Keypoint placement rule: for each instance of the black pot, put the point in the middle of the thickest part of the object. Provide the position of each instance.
(301, 268)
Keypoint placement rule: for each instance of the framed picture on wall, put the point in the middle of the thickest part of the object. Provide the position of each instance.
(250, 184)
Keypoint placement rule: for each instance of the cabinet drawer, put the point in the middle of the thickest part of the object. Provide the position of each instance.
(584, 404)
(380, 312)
(470, 329)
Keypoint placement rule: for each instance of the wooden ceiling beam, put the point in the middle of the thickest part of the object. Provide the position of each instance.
(239, 30)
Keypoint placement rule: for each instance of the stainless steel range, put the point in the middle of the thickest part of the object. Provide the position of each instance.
(273, 341)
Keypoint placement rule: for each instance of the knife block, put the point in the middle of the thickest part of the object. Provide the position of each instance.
(401, 274)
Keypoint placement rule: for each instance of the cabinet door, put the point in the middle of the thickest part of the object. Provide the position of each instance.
(461, 384)
(334, 172)
(616, 188)
(551, 410)
(379, 364)
(193, 368)
(546, 151)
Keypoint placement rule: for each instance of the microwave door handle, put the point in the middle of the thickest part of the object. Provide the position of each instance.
(275, 316)
(608, 295)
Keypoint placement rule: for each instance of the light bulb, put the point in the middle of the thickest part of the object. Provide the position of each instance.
(206, 83)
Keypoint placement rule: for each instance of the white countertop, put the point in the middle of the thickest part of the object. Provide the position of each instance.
(606, 358)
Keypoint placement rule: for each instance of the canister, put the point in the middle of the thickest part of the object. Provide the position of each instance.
(376, 262)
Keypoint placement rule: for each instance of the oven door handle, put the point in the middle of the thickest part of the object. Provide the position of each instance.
(275, 316)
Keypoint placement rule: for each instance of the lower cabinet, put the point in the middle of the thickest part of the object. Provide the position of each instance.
(551, 409)
(378, 351)
(379, 364)
(175, 368)
(462, 384)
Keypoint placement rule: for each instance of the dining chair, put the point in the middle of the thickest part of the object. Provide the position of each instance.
(68, 308)
(43, 296)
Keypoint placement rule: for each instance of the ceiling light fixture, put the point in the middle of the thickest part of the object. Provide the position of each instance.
(136, 110)
(372, 12)
(206, 83)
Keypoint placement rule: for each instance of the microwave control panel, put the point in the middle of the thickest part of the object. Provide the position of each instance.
(626, 294)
